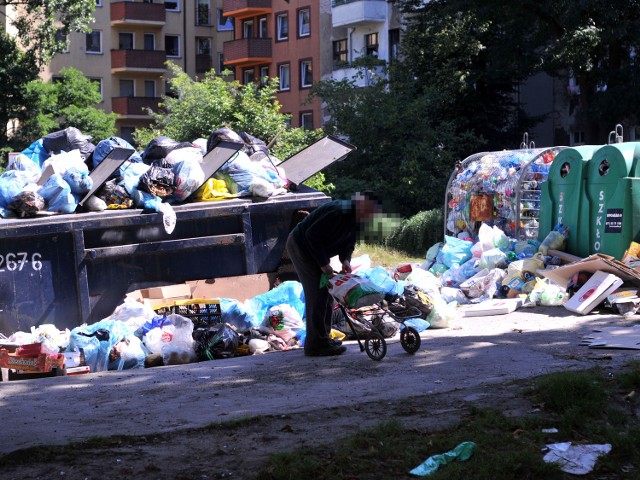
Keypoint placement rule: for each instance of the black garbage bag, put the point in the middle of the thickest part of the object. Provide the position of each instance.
(220, 341)
(113, 194)
(27, 204)
(69, 139)
(224, 134)
(159, 180)
(160, 147)
(254, 144)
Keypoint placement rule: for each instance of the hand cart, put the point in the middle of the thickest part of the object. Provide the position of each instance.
(375, 344)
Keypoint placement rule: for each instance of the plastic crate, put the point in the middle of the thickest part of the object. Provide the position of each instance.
(203, 312)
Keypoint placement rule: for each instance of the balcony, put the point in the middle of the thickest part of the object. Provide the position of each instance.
(347, 13)
(361, 76)
(138, 13)
(134, 106)
(246, 8)
(247, 52)
(138, 61)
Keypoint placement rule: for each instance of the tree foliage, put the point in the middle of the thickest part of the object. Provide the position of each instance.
(17, 69)
(196, 108)
(69, 102)
(595, 42)
(37, 23)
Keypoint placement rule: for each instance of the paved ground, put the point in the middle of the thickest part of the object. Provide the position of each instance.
(472, 353)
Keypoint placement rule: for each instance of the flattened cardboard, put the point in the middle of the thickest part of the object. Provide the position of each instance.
(240, 288)
(496, 306)
(593, 292)
(614, 337)
(170, 291)
(593, 263)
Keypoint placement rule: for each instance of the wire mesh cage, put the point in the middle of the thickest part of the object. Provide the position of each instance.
(498, 188)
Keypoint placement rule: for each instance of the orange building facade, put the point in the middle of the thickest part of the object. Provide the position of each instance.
(280, 38)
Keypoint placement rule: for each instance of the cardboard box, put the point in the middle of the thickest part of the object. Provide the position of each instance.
(496, 306)
(592, 264)
(180, 290)
(593, 292)
(239, 288)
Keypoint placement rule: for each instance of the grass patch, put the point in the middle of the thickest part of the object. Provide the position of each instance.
(586, 407)
(385, 256)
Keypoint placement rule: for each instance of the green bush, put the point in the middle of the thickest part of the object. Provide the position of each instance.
(416, 234)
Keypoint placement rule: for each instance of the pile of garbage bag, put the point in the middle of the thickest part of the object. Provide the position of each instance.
(53, 174)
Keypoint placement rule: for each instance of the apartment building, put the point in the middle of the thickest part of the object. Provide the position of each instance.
(129, 45)
(288, 39)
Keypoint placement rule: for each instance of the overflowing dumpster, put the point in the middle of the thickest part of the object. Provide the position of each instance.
(498, 188)
(70, 269)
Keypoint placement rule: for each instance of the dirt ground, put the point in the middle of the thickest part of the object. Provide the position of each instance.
(222, 419)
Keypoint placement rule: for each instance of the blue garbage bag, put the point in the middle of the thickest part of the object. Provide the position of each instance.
(289, 292)
(106, 146)
(237, 314)
(36, 152)
(97, 341)
(11, 184)
(383, 280)
(57, 194)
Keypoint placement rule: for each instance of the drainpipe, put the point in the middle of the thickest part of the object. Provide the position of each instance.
(350, 31)
(184, 34)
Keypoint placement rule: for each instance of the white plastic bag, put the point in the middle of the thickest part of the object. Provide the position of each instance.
(354, 291)
(174, 338)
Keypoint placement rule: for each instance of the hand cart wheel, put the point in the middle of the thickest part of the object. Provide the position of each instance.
(376, 346)
(410, 339)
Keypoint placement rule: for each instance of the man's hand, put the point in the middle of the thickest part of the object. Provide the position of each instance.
(346, 266)
(326, 269)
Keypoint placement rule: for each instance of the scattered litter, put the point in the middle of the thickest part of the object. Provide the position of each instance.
(549, 430)
(462, 452)
(575, 459)
(614, 337)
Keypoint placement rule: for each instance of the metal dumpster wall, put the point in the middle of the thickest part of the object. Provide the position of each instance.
(71, 269)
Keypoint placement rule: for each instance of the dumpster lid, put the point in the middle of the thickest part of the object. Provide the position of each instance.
(215, 159)
(314, 158)
(105, 169)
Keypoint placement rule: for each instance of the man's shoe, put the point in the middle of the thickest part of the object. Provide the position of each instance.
(326, 351)
(335, 341)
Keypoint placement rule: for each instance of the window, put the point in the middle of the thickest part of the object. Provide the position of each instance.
(225, 24)
(203, 12)
(340, 54)
(98, 3)
(126, 88)
(304, 22)
(172, 5)
(220, 62)
(149, 41)
(371, 42)
(306, 120)
(147, 1)
(284, 72)
(248, 76)
(93, 42)
(262, 27)
(125, 41)
(150, 88)
(247, 29)
(394, 44)
(172, 45)
(62, 38)
(204, 60)
(126, 133)
(306, 74)
(282, 27)
(264, 75)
